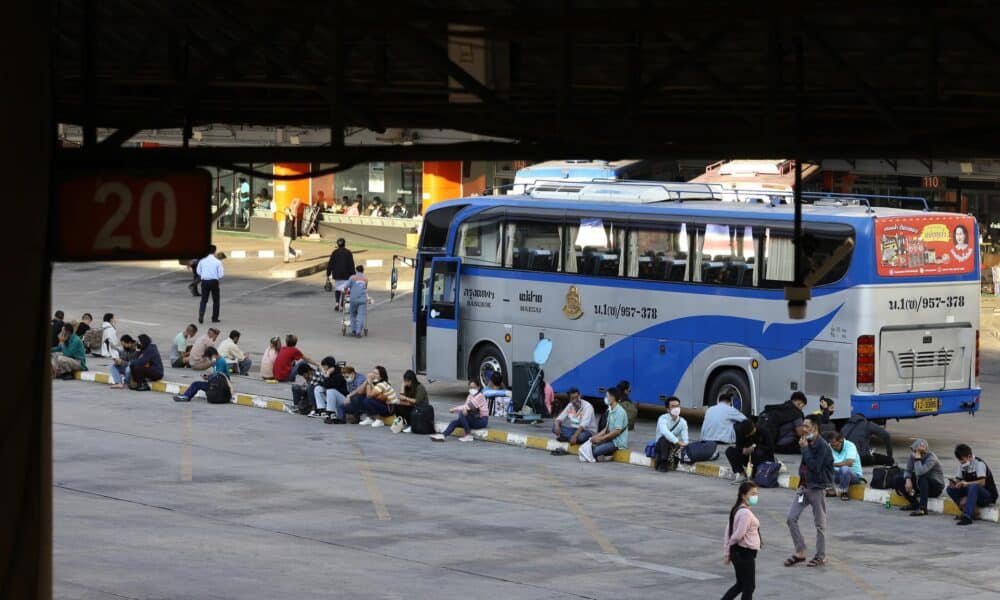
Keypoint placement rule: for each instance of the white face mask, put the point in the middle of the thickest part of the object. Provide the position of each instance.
(607, 401)
(675, 411)
(473, 391)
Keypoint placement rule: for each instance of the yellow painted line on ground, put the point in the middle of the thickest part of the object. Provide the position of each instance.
(589, 525)
(186, 435)
(381, 511)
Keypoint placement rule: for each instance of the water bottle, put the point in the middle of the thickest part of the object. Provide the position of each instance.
(888, 502)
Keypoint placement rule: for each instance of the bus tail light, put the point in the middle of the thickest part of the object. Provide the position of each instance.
(866, 363)
(977, 357)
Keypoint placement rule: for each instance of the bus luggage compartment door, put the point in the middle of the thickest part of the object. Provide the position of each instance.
(442, 319)
(927, 358)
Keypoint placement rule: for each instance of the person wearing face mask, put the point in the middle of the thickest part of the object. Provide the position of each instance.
(973, 485)
(743, 542)
(815, 476)
(472, 414)
(671, 436)
(613, 437)
(378, 397)
(576, 423)
(330, 393)
(751, 448)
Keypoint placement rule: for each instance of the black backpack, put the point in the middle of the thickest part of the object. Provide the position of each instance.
(218, 389)
(422, 419)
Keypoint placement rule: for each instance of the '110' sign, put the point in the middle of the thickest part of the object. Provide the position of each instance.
(124, 214)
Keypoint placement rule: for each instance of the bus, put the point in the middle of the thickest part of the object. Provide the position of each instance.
(684, 297)
(589, 170)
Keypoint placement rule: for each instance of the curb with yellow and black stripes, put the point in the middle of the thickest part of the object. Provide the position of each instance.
(856, 492)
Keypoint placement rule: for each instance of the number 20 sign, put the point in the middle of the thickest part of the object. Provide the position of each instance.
(131, 214)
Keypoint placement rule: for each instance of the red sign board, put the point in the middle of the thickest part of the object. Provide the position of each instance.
(131, 214)
(926, 245)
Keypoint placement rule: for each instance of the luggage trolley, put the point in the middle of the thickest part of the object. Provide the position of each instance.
(523, 411)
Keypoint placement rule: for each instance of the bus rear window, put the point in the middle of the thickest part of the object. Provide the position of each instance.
(819, 244)
(434, 231)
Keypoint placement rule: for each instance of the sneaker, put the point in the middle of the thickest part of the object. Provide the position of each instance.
(739, 479)
(437, 437)
(407, 430)
(67, 376)
(314, 414)
(910, 507)
(365, 421)
(181, 398)
(465, 438)
(378, 423)
(964, 520)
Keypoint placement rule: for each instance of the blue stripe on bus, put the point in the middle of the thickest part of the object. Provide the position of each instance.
(442, 324)
(773, 341)
(892, 406)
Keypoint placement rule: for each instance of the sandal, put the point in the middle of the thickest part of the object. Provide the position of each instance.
(794, 560)
(816, 562)
(845, 497)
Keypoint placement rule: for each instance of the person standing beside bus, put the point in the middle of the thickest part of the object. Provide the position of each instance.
(743, 542)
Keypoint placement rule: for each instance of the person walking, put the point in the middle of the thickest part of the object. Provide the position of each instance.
(743, 542)
(815, 476)
(210, 271)
(338, 270)
(358, 287)
(291, 229)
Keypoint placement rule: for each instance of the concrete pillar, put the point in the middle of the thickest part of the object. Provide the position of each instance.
(25, 408)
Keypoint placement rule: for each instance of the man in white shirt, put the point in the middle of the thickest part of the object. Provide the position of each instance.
(719, 421)
(576, 423)
(232, 353)
(210, 272)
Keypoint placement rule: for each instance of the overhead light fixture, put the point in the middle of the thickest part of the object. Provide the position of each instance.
(196, 136)
(279, 135)
(293, 140)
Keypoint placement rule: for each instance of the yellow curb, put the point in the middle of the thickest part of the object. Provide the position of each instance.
(707, 469)
(493, 435)
(537, 443)
(623, 456)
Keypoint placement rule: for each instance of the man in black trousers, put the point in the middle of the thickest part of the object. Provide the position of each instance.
(210, 272)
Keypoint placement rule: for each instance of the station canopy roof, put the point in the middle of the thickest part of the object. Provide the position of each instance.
(543, 79)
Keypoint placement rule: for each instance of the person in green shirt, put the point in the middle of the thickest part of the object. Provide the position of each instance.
(614, 436)
(68, 355)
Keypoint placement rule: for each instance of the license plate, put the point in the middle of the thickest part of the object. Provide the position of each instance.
(926, 405)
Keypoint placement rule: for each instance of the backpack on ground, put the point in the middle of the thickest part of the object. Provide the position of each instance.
(884, 478)
(218, 389)
(92, 340)
(422, 419)
(699, 451)
(300, 397)
(766, 474)
(651, 449)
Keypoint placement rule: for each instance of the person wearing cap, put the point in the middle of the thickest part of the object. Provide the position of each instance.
(922, 479)
(339, 269)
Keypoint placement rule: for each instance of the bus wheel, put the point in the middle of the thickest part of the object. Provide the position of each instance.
(486, 361)
(731, 381)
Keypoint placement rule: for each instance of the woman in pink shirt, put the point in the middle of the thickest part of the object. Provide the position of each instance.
(743, 542)
(472, 414)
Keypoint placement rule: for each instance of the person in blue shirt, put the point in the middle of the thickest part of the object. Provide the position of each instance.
(719, 421)
(210, 272)
(671, 436)
(219, 366)
(614, 436)
(846, 464)
(357, 289)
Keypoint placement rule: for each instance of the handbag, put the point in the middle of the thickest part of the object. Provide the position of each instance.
(884, 478)
(651, 449)
(327, 287)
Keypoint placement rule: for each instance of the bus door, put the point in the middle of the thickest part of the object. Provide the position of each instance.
(441, 352)
(421, 298)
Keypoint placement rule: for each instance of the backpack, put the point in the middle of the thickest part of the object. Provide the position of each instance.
(699, 451)
(766, 474)
(218, 389)
(92, 340)
(884, 478)
(422, 419)
(300, 397)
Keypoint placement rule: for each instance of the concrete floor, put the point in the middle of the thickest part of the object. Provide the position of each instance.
(159, 500)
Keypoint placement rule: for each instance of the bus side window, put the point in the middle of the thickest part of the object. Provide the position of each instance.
(726, 255)
(596, 249)
(480, 242)
(659, 254)
(535, 246)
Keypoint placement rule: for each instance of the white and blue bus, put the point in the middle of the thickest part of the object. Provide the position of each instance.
(685, 297)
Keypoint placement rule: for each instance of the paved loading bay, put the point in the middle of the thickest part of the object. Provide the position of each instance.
(155, 499)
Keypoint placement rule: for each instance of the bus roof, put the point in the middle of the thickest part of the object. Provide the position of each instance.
(820, 211)
(572, 170)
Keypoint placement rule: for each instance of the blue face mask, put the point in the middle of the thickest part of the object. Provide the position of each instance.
(752, 500)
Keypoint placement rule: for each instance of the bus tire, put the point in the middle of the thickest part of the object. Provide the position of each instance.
(731, 380)
(485, 360)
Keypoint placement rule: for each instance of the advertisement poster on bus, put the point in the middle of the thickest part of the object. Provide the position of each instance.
(925, 246)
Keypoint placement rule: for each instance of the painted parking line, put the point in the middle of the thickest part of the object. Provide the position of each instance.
(648, 566)
(381, 511)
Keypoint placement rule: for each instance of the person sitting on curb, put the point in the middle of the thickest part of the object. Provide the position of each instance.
(84, 326)
(671, 436)
(860, 431)
(626, 402)
(783, 423)
(68, 356)
(471, 415)
(198, 359)
(922, 479)
(378, 397)
(267, 360)
(846, 464)
(119, 369)
(613, 437)
(147, 366)
(973, 485)
(286, 363)
(230, 350)
(412, 395)
(825, 412)
(109, 336)
(720, 419)
(219, 366)
(330, 393)
(180, 349)
(751, 447)
(576, 423)
(815, 475)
